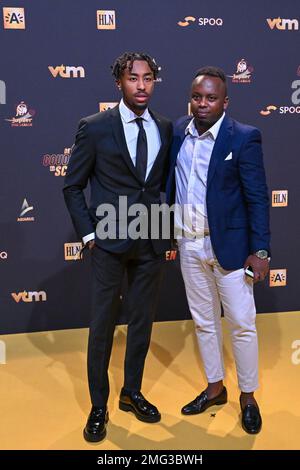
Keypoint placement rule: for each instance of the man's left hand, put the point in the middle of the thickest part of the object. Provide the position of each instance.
(260, 267)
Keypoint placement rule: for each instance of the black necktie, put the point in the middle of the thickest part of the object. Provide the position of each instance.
(141, 150)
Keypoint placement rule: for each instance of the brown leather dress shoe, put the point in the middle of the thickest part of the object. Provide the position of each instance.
(202, 402)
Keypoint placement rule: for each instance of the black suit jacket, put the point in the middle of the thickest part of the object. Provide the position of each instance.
(100, 156)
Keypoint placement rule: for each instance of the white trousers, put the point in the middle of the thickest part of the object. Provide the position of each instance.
(208, 285)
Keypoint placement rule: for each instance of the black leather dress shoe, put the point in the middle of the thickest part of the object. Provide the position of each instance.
(202, 402)
(95, 429)
(251, 419)
(137, 403)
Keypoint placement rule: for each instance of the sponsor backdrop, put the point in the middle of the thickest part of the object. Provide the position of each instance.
(55, 68)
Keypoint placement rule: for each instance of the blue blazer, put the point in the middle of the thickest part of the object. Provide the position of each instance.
(237, 194)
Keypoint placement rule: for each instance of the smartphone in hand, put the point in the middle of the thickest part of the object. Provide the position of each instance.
(249, 272)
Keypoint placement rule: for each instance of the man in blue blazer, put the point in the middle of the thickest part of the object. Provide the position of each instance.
(217, 180)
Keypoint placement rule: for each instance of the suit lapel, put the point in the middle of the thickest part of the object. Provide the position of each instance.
(119, 134)
(221, 148)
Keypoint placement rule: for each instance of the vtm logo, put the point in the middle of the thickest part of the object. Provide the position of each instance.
(26, 297)
(67, 71)
(283, 24)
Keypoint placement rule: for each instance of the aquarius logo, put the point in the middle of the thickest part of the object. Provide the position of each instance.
(24, 209)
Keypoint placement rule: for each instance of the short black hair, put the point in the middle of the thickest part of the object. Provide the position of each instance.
(212, 71)
(121, 63)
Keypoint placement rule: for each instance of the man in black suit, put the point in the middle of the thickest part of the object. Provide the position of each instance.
(122, 152)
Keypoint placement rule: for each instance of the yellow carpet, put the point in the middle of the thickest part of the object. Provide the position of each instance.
(45, 402)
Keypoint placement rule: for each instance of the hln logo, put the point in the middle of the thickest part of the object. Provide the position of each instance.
(13, 18)
(106, 19)
(72, 251)
(2, 92)
(35, 296)
(67, 71)
(277, 277)
(283, 24)
(280, 198)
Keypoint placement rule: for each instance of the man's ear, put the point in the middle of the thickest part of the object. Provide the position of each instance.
(118, 83)
(226, 102)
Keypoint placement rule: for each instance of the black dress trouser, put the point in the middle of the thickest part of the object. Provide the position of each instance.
(144, 272)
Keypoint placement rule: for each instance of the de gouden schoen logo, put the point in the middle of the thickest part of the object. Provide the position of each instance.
(57, 162)
(13, 18)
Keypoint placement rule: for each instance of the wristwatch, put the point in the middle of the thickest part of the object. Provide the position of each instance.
(262, 254)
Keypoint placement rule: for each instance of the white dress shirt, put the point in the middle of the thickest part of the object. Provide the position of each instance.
(191, 177)
(131, 131)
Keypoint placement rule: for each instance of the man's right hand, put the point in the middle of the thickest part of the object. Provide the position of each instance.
(91, 244)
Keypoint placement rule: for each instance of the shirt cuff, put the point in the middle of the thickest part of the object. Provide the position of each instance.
(87, 238)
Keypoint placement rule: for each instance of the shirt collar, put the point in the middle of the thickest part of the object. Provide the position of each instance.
(129, 116)
(212, 131)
